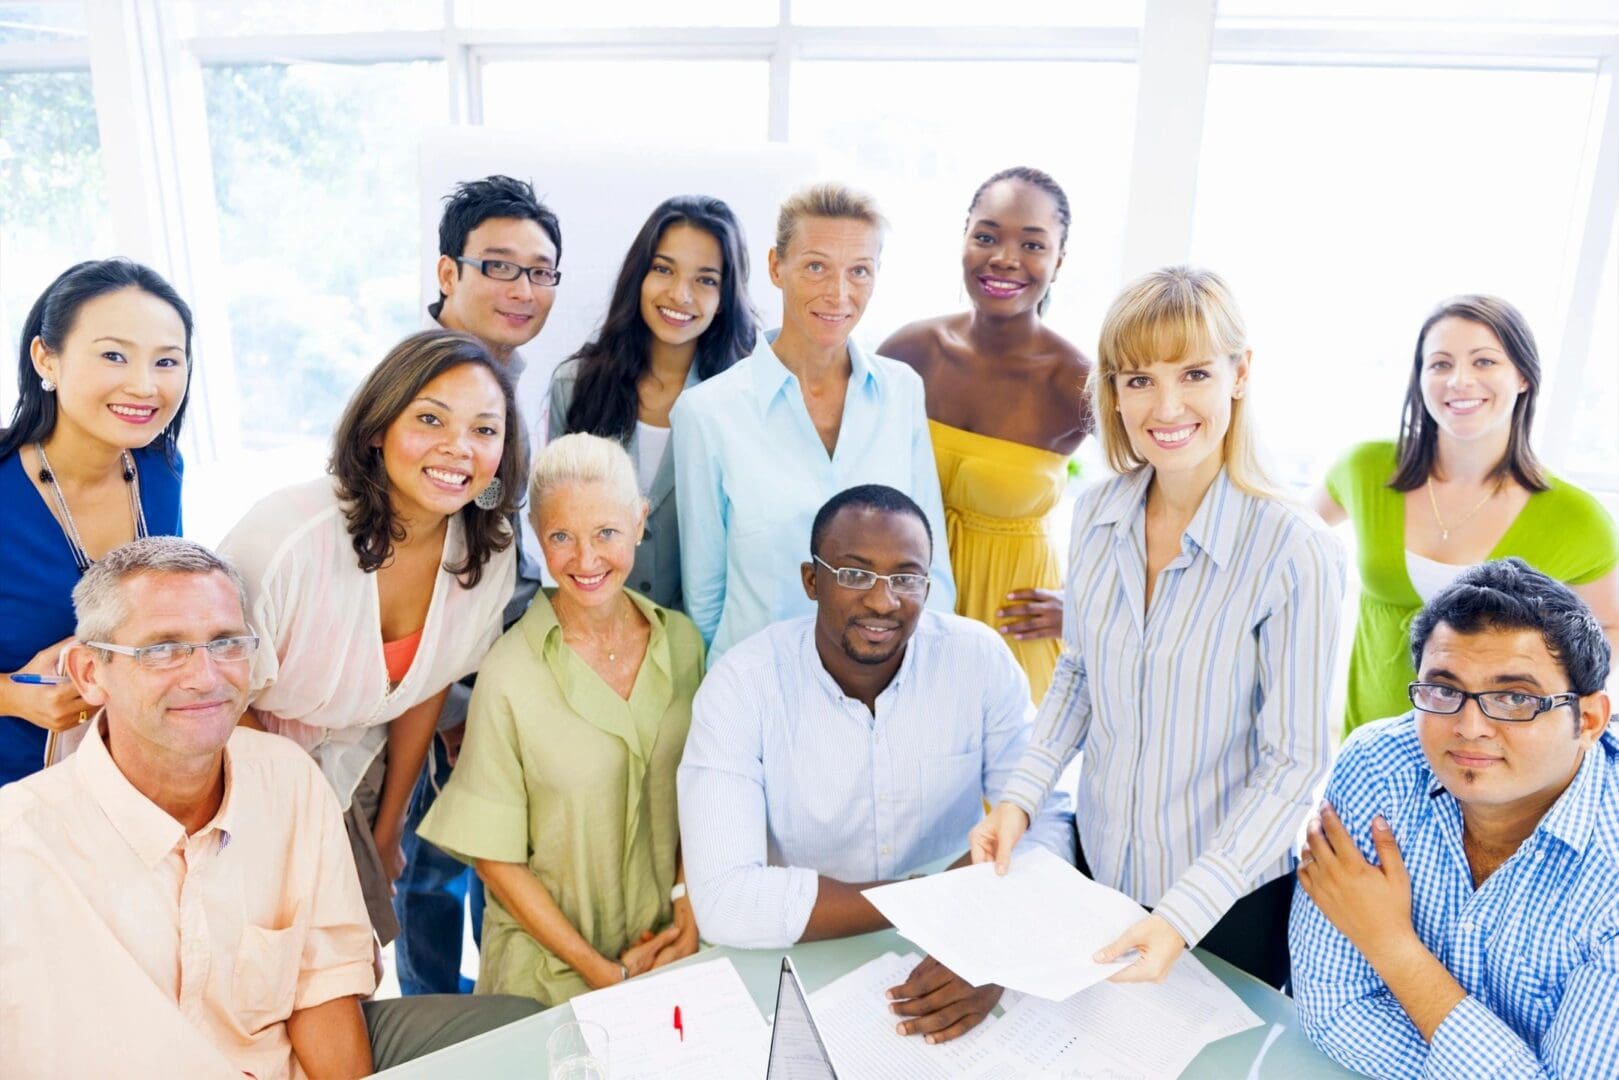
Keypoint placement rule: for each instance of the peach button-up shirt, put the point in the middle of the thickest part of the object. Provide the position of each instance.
(128, 948)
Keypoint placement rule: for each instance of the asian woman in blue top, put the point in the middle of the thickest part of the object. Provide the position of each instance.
(761, 446)
(88, 462)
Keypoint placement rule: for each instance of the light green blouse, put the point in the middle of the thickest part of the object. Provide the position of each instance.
(1562, 531)
(559, 772)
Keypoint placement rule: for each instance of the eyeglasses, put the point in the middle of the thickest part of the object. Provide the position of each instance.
(172, 654)
(1513, 706)
(852, 577)
(501, 270)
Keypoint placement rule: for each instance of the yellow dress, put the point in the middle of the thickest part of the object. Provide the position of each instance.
(997, 496)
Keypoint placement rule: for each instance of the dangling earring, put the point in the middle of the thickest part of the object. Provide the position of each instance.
(489, 497)
(46, 384)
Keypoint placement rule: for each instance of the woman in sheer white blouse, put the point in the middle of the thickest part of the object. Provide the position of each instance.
(377, 587)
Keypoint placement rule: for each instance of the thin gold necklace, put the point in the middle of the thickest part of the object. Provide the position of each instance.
(615, 633)
(1444, 530)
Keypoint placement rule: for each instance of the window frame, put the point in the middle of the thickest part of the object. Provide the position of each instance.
(146, 75)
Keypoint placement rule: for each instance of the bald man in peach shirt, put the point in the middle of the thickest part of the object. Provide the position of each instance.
(178, 898)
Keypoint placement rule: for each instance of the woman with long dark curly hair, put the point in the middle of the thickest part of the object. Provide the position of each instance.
(374, 589)
(679, 314)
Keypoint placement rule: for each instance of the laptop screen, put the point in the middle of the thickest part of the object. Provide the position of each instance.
(796, 1049)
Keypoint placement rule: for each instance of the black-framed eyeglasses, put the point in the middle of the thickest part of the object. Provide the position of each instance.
(171, 654)
(852, 577)
(501, 270)
(1512, 706)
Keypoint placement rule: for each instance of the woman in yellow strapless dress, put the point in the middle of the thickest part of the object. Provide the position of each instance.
(1006, 406)
(997, 496)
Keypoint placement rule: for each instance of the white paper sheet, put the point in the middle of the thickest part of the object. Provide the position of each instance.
(723, 1029)
(1130, 1031)
(1033, 930)
(854, 1018)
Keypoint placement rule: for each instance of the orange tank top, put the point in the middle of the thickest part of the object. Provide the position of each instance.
(398, 655)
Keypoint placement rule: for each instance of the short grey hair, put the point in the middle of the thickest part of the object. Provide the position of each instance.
(98, 599)
(582, 458)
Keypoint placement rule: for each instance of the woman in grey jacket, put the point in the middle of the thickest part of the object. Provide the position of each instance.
(679, 314)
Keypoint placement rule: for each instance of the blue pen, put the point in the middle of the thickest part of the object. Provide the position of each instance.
(29, 679)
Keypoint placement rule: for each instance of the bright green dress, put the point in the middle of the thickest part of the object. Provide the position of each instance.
(559, 772)
(1563, 532)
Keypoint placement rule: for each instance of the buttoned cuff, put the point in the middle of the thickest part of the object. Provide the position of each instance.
(1201, 897)
(1472, 1042)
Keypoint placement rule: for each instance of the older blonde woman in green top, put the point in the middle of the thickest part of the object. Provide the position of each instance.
(563, 798)
(1461, 486)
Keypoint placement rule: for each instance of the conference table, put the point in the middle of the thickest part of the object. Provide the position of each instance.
(1277, 1050)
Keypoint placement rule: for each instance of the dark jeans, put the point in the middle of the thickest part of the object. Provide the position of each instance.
(428, 898)
(1252, 935)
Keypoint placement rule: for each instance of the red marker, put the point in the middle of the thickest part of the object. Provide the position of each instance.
(678, 1025)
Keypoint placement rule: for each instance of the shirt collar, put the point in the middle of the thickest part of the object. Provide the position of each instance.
(149, 831)
(817, 667)
(770, 375)
(1573, 817)
(1213, 528)
(544, 632)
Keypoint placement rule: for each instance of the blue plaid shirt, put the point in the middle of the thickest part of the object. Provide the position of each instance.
(1536, 947)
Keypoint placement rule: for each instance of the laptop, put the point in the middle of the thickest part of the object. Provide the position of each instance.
(797, 1051)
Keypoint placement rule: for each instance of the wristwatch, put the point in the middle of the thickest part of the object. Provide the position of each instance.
(678, 892)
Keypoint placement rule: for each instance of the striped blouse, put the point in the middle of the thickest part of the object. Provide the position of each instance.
(1204, 718)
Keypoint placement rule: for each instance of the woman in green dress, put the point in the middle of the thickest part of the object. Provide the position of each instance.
(1461, 486)
(563, 798)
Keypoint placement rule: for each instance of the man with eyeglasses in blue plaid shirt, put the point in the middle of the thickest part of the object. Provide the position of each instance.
(1459, 914)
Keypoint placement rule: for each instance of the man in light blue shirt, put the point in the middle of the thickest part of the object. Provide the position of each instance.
(831, 753)
(1484, 939)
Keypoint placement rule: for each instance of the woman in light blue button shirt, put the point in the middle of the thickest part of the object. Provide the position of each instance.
(761, 446)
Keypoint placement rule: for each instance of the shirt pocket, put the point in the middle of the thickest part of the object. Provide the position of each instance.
(266, 975)
(952, 789)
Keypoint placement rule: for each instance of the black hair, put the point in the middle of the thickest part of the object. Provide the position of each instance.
(1419, 434)
(605, 399)
(1509, 594)
(879, 497)
(1036, 178)
(51, 319)
(474, 202)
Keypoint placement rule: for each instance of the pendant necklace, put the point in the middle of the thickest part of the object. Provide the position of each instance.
(132, 484)
(1444, 530)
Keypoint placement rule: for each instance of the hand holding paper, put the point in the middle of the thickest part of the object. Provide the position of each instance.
(993, 839)
(1035, 930)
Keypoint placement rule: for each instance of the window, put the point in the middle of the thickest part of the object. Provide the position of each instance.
(1592, 453)
(967, 13)
(54, 213)
(243, 18)
(1343, 204)
(619, 14)
(684, 101)
(922, 135)
(319, 230)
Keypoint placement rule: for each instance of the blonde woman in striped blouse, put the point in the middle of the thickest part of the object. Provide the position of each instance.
(1203, 611)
